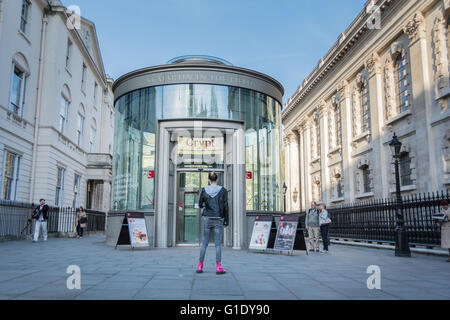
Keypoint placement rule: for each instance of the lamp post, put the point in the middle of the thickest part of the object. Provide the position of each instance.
(284, 195)
(401, 240)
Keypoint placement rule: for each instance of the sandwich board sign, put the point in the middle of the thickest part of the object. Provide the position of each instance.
(290, 235)
(133, 231)
(261, 233)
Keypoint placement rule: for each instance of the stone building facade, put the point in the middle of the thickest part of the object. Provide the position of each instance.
(387, 73)
(56, 107)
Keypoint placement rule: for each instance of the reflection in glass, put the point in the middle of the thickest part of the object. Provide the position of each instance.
(135, 140)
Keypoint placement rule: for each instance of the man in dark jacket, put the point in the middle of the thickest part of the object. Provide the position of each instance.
(40, 214)
(214, 200)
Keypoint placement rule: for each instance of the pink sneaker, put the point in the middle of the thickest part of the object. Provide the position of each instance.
(200, 267)
(219, 269)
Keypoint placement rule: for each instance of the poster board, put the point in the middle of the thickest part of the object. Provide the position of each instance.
(286, 234)
(133, 231)
(261, 233)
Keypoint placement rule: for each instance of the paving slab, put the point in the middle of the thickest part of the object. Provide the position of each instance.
(38, 271)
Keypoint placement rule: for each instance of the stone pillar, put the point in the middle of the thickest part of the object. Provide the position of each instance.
(325, 183)
(380, 164)
(348, 169)
(422, 103)
(294, 170)
(307, 169)
(287, 166)
(302, 166)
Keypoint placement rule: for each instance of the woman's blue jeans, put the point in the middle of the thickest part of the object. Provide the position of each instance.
(216, 225)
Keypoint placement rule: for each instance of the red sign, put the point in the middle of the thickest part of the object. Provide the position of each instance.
(151, 174)
(249, 175)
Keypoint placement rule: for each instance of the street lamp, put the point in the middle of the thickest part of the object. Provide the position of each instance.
(401, 240)
(284, 195)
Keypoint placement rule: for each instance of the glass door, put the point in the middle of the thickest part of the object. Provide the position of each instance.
(187, 220)
(189, 225)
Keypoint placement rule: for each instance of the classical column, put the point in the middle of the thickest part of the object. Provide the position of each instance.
(380, 164)
(302, 166)
(287, 175)
(307, 169)
(294, 170)
(325, 183)
(348, 170)
(422, 102)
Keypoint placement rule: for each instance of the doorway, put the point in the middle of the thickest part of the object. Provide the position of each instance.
(189, 222)
(187, 151)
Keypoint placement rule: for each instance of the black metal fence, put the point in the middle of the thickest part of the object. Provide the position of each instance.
(375, 221)
(16, 219)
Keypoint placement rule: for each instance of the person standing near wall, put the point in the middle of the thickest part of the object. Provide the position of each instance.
(445, 227)
(324, 222)
(81, 222)
(40, 214)
(312, 226)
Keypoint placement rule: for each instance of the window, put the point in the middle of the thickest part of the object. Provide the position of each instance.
(80, 130)
(18, 88)
(59, 186)
(11, 163)
(95, 94)
(340, 192)
(92, 140)
(25, 15)
(365, 112)
(334, 126)
(401, 84)
(405, 169)
(63, 112)
(83, 77)
(366, 178)
(68, 53)
(76, 190)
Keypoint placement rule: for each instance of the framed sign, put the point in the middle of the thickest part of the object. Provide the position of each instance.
(286, 233)
(133, 231)
(261, 233)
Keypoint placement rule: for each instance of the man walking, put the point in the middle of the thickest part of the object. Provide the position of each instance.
(41, 216)
(313, 227)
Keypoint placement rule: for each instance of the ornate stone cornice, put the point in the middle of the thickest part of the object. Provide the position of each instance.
(338, 51)
(372, 64)
(415, 28)
(342, 90)
(446, 5)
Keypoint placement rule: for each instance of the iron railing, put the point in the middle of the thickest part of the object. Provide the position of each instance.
(16, 219)
(375, 220)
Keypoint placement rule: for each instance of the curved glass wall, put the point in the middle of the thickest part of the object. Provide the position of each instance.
(135, 139)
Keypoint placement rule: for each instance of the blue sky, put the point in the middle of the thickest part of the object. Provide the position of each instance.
(282, 38)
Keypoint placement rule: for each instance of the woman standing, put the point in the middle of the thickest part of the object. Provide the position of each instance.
(324, 222)
(445, 228)
(214, 200)
(81, 222)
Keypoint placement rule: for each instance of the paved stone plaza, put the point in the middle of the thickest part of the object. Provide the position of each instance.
(38, 271)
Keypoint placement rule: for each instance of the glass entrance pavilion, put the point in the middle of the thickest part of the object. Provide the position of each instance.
(177, 122)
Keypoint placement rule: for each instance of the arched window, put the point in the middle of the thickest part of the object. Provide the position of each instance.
(365, 109)
(93, 136)
(401, 82)
(20, 74)
(334, 124)
(64, 108)
(80, 125)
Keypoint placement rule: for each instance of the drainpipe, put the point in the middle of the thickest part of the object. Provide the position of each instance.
(38, 104)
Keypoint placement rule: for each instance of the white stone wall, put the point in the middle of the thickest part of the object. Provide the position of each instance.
(53, 148)
(364, 58)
